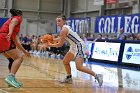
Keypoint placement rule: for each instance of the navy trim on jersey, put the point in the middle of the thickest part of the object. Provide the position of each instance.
(71, 37)
(80, 51)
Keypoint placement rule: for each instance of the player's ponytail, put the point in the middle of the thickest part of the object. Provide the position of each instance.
(15, 12)
(19, 12)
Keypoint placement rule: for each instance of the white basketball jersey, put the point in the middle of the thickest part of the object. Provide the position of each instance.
(72, 37)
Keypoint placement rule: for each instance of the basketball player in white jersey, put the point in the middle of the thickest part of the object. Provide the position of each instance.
(77, 51)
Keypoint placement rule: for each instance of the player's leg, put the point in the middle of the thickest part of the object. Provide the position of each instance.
(10, 61)
(16, 55)
(79, 64)
(66, 61)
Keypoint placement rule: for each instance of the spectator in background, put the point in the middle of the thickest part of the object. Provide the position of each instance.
(138, 36)
(99, 36)
(114, 37)
(124, 37)
(106, 37)
(21, 37)
(134, 36)
(91, 37)
(26, 41)
(84, 37)
(131, 37)
(121, 35)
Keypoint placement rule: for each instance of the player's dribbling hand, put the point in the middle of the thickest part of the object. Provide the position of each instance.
(27, 54)
(47, 44)
(42, 40)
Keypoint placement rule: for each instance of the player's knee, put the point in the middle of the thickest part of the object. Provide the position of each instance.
(65, 62)
(79, 68)
(20, 58)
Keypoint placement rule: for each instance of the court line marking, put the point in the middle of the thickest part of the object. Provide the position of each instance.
(3, 91)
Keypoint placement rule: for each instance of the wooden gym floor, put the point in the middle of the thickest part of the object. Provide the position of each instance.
(41, 75)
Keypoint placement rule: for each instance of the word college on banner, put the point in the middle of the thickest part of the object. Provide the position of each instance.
(79, 25)
(112, 24)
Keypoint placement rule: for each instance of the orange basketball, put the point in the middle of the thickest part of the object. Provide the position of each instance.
(47, 38)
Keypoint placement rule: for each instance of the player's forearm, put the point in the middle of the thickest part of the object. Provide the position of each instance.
(19, 46)
(56, 45)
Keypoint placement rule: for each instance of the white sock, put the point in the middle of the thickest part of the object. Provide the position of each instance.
(12, 74)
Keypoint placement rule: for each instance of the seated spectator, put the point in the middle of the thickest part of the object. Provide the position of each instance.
(106, 37)
(99, 36)
(124, 37)
(114, 37)
(84, 37)
(34, 44)
(138, 36)
(26, 41)
(91, 37)
(131, 37)
(121, 34)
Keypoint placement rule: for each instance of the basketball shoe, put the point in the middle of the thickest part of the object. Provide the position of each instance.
(68, 80)
(99, 78)
(11, 81)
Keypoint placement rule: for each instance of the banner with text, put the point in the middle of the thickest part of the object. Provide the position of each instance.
(112, 24)
(79, 25)
(131, 53)
(106, 51)
(2, 21)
